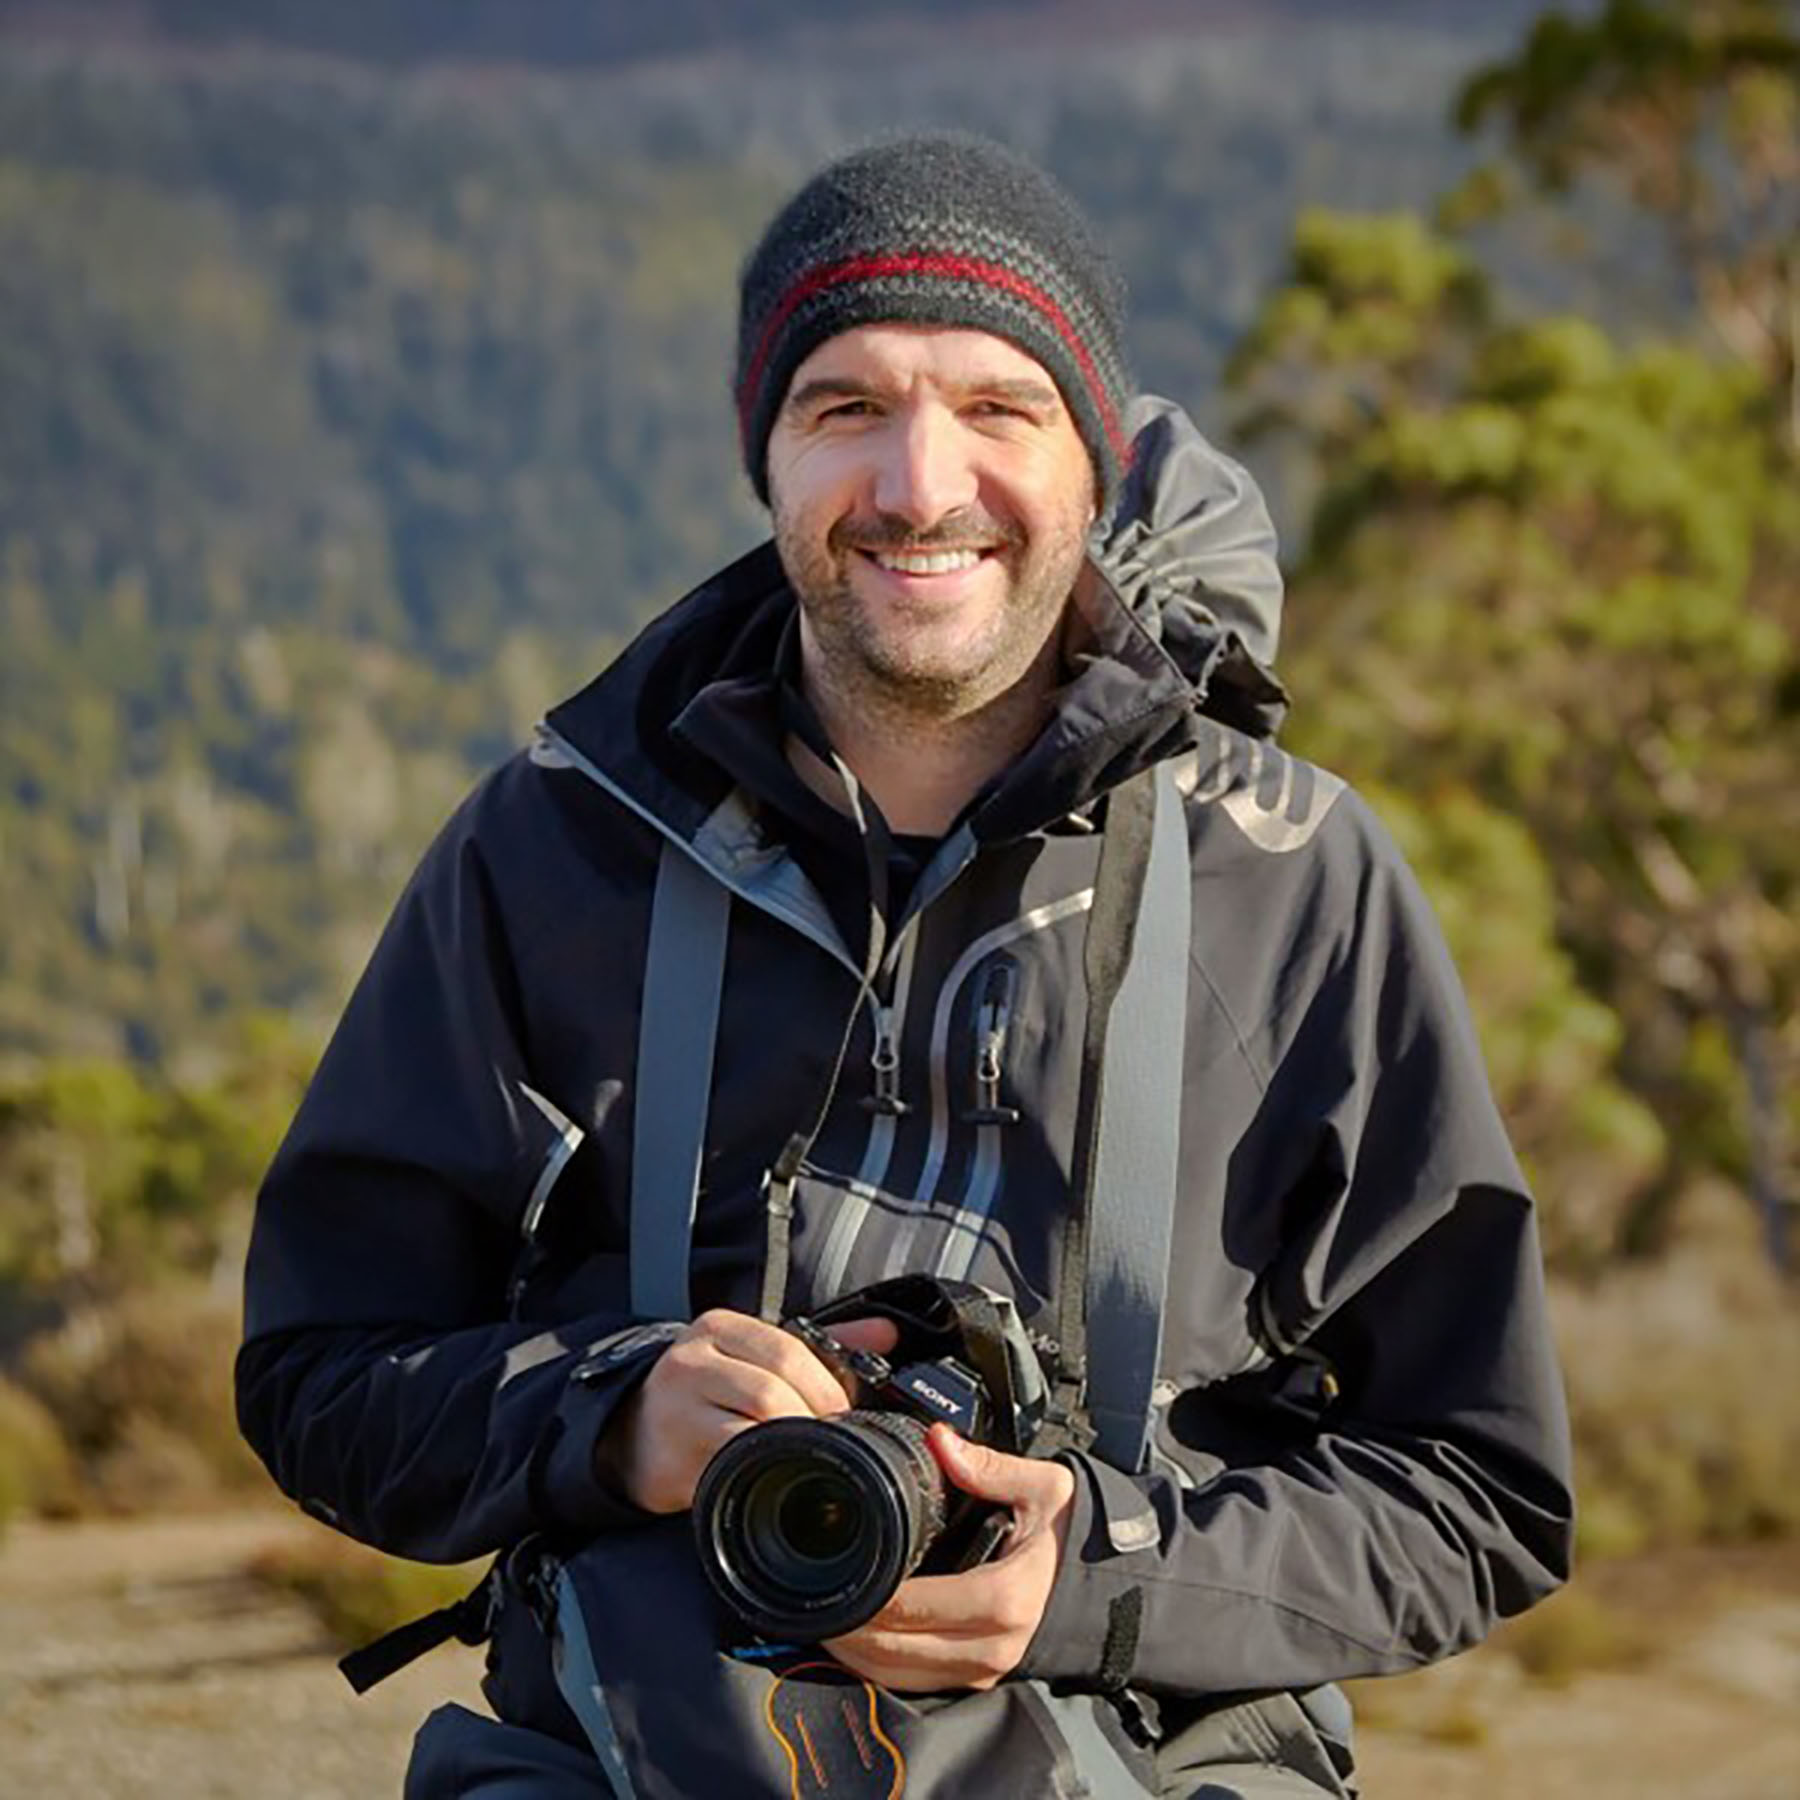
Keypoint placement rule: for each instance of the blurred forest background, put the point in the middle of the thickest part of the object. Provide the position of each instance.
(363, 384)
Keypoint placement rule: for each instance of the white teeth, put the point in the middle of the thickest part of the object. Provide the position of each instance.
(932, 562)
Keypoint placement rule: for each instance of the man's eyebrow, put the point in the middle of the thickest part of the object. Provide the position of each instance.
(1019, 390)
(828, 387)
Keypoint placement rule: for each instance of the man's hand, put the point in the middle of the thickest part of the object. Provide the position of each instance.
(723, 1374)
(970, 1630)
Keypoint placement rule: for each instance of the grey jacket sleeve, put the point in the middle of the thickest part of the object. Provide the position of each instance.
(380, 1379)
(1434, 1496)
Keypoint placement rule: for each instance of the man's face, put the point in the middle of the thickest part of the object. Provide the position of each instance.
(931, 499)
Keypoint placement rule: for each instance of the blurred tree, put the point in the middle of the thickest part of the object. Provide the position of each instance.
(1561, 580)
(1692, 108)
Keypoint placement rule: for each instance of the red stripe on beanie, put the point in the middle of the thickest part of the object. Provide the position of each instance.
(954, 268)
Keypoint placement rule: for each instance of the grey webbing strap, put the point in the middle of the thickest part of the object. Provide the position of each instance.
(579, 1681)
(1137, 1136)
(684, 972)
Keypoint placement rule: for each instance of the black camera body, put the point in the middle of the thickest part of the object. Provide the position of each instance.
(938, 1390)
(805, 1527)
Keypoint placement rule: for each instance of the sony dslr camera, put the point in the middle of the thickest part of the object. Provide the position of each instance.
(807, 1526)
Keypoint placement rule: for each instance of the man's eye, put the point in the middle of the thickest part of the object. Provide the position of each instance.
(998, 409)
(849, 409)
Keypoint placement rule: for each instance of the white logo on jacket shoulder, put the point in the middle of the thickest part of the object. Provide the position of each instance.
(1277, 801)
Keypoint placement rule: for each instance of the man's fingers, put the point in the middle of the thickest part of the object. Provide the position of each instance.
(978, 1470)
(921, 1665)
(752, 1393)
(662, 1477)
(756, 1341)
(975, 1603)
(972, 1628)
(935, 1603)
(879, 1335)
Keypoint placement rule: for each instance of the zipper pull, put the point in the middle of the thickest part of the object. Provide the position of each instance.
(884, 1060)
(991, 1020)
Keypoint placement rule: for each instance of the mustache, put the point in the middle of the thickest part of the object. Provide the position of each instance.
(974, 528)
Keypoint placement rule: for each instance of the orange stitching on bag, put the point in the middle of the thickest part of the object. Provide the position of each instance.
(897, 1788)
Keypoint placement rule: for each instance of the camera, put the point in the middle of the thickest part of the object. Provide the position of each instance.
(805, 1527)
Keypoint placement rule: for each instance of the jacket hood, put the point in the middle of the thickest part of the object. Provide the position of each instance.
(1184, 620)
(1191, 550)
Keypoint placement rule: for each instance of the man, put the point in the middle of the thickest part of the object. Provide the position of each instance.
(888, 752)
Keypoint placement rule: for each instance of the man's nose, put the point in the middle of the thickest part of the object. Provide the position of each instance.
(925, 472)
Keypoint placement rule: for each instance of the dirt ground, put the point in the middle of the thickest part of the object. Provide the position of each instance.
(138, 1660)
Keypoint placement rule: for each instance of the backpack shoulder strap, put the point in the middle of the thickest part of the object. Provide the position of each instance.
(1116, 1262)
(1116, 1253)
(684, 974)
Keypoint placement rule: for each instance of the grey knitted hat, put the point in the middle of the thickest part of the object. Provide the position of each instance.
(943, 230)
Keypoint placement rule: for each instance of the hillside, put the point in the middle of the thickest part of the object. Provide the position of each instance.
(345, 411)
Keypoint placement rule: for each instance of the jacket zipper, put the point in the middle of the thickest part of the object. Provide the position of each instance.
(992, 1017)
(890, 1023)
(884, 1063)
(943, 1110)
(989, 1115)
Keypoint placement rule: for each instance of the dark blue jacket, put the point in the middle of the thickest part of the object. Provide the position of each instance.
(437, 1322)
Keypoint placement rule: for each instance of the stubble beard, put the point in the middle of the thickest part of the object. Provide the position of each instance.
(902, 680)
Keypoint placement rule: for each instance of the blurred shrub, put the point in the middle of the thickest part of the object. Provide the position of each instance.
(1682, 1395)
(36, 1472)
(357, 1593)
(1573, 1632)
(142, 1392)
(112, 1178)
(124, 1209)
(1588, 1145)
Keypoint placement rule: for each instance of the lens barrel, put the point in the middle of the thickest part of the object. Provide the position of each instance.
(807, 1526)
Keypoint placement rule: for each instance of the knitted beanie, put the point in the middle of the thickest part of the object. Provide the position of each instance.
(943, 230)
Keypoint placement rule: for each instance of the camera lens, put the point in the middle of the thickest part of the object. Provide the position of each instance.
(806, 1526)
(803, 1526)
(818, 1517)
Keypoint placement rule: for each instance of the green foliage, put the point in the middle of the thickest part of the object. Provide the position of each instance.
(553, 33)
(415, 375)
(332, 439)
(1557, 578)
(1692, 108)
(112, 1182)
(124, 1208)
(222, 820)
(1368, 303)
(348, 419)
(1550, 1046)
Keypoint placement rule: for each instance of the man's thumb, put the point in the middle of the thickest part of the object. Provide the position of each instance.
(980, 1471)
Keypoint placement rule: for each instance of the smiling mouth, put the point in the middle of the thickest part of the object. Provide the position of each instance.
(926, 562)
